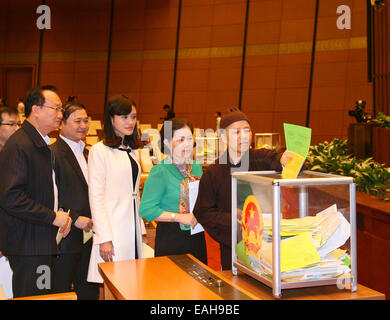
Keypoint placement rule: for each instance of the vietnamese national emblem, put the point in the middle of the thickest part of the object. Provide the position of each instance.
(252, 226)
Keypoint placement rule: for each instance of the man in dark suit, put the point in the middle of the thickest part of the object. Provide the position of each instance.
(9, 123)
(28, 196)
(71, 169)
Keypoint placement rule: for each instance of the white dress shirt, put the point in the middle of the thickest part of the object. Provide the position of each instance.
(78, 151)
(47, 140)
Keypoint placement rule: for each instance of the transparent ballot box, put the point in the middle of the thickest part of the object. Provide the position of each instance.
(292, 233)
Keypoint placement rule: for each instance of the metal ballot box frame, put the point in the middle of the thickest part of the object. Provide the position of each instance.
(309, 194)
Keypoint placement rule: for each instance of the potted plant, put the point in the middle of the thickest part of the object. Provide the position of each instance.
(381, 138)
(332, 157)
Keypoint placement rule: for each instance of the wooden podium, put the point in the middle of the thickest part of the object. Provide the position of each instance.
(182, 277)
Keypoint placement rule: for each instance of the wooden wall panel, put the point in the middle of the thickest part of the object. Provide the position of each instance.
(144, 39)
(277, 64)
(216, 82)
(261, 121)
(338, 72)
(75, 52)
(263, 32)
(272, 8)
(259, 100)
(296, 30)
(328, 98)
(291, 99)
(298, 9)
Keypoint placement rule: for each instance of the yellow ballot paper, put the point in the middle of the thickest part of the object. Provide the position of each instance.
(297, 252)
(293, 166)
(87, 236)
(59, 234)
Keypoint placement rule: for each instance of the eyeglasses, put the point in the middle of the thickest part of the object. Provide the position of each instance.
(15, 124)
(58, 109)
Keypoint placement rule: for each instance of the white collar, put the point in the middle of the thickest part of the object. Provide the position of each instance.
(46, 138)
(75, 146)
(235, 160)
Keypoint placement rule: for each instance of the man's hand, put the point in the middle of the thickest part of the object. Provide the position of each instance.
(63, 221)
(285, 157)
(107, 251)
(145, 238)
(84, 223)
(239, 214)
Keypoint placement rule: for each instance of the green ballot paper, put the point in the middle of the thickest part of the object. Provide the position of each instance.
(298, 144)
(241, 252)
(298, 139)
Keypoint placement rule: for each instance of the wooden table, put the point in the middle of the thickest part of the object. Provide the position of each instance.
(175, 278)
(165, 278)
(263, 292)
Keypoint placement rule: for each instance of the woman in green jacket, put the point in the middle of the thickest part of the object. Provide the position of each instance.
(165, 197)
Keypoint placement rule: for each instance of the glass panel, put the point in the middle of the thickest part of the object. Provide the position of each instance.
(268, 141)
(314, 230)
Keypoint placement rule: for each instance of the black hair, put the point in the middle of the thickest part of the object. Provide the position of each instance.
(177, 123)
(35, 97)
(118, 105)
(166, 106)
(7, 109)
(71, 107)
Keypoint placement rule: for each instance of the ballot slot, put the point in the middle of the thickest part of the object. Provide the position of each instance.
(207, 278)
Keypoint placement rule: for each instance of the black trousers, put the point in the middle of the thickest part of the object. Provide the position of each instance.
(72, 268)
(32, 275)
(170, 240)
(226, 257)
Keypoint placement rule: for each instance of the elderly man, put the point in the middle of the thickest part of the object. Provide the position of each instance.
(28, 196)
(214, 203)
(71, 171)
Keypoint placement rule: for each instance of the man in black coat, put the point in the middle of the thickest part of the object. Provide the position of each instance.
(213, 207)
(28, 196)
(71, 169)
(9, 123)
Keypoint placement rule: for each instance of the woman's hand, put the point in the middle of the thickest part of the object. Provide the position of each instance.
(187, 219)
(107, 251)
(84, 223)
